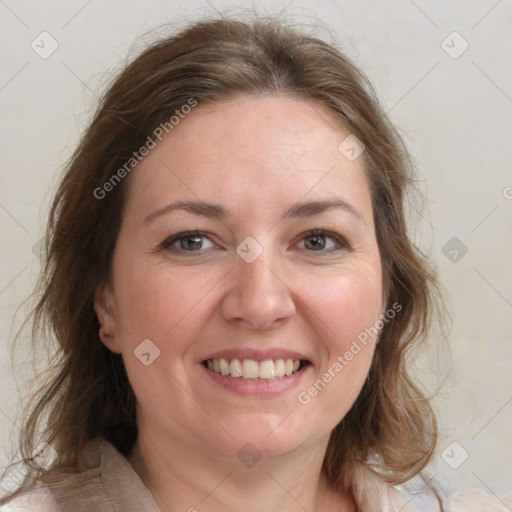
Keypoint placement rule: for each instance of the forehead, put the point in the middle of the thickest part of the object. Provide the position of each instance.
(254, 151)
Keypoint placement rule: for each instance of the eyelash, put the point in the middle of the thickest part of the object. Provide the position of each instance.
(168, 242)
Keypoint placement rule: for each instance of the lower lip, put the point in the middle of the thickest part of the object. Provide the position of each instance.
(253, 388)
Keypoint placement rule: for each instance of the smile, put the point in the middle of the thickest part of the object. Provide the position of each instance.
(250, 369)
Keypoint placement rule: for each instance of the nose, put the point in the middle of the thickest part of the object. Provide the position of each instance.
(258, 297)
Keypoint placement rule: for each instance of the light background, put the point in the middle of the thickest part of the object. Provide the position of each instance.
(455, 115)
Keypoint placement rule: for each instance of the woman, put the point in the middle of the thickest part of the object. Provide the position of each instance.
(232, 289)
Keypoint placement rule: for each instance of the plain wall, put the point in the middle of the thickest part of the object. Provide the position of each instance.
(454, 111)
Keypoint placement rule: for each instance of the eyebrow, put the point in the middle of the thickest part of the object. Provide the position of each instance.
(210, 210)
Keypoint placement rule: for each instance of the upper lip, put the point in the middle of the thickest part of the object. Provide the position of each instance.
(255, 354)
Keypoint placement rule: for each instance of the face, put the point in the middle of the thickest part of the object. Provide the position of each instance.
(247, 251)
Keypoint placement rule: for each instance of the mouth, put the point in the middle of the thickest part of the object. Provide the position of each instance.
(256, 371)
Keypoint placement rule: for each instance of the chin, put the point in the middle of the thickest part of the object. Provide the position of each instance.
(268, 435)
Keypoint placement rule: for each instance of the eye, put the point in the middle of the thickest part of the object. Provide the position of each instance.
(192, 241)
(318, 240)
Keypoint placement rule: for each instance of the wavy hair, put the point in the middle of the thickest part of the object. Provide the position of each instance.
(87, 394)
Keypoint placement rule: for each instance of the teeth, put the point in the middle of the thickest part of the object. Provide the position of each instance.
(224, 367)
(236, 368)
(251, 369)
(279, 367)
(267, 370)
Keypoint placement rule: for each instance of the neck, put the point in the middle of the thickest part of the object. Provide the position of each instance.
(182, 478)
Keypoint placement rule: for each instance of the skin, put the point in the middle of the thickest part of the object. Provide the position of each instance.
(258, 157)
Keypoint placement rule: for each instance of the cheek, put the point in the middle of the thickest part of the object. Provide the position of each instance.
(347, 309)
(168, 308)
(348, 304)
(161, 303)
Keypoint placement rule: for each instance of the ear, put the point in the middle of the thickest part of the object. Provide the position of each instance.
(103, 301)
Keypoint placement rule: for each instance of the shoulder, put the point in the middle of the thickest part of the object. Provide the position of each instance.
(40, 500)
(57, 489)
(477, 500)
(103, 481)
(372, 492)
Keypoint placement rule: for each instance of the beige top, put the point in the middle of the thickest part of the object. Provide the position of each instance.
(107, 482)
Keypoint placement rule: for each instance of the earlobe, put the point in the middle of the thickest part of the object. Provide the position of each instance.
(106, 318)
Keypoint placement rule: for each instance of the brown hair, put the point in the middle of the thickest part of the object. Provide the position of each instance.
(88, 394)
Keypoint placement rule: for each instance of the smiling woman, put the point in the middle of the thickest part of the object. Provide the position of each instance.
(257, 254)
